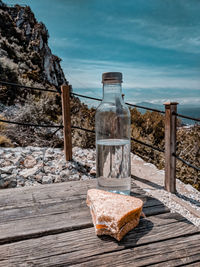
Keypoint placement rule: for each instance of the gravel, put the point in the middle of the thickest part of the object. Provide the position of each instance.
(186, 201)
(29, 166)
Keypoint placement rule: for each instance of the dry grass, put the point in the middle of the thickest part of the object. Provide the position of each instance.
(4, 141)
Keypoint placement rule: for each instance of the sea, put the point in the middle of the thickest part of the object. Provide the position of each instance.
(189, 104)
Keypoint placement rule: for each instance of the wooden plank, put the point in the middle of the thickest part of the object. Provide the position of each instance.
(170, 147)
(44, 194)
(65, 89)
(41, 225)
(58, 192)
(151, 207)
(36, 198)
(52, 209)
(50, 199)
(157, 239)
(182, 251)
(48, 224)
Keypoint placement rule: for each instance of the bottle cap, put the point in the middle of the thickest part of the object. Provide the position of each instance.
(112, 77)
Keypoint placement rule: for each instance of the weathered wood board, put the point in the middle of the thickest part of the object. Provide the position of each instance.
(169, 235)
(51, 226)
(52, 209)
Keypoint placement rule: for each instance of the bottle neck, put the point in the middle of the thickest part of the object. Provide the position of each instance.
(111, 91)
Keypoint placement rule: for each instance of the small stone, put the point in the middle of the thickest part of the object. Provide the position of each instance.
(93, 171)
(15, 171)
(38, 177)
(61, 166)
(52, 170)
(20, 181)
(7, 169)
(57, 172)
(49, 151)
(8, 156)
(6, 163)
(75, 164)
(18, 160)
(29, 162)
(74, 177)
(12, 184)
(9, 182)
(70, 167)
(29, 183)
(29, 172)
(57, 179)
(2, 182)
(64, 174)
(84, 177)
(47, 180)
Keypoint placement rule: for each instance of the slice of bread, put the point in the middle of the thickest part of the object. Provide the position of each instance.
(113, 214)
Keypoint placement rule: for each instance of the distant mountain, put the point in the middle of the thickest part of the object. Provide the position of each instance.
(184, 109)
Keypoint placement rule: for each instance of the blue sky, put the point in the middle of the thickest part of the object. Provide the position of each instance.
(154, 43)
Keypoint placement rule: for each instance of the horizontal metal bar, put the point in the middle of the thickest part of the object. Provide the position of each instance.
(84, 96)
(151, 109)
(132, 105)
(83, 129)
(145, 144)
(133, 139)
(185, 117)
(31, 125)
(186, 162)
(28, 87)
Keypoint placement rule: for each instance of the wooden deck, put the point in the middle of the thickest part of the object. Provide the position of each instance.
(50, 225)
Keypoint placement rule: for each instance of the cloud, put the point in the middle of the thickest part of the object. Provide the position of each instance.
(148, 32)
(64, 42)
(181, 100)
(87, 74)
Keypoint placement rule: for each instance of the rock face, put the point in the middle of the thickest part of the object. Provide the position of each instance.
(25, 58)
(24, 51)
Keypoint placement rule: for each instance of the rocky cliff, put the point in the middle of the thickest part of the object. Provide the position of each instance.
(25, 56)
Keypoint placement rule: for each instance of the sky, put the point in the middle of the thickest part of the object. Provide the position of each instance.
(154, 43)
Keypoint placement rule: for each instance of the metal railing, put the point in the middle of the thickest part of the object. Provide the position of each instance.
(170, 129)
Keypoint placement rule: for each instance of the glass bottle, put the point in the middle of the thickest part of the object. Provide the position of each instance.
(112, 126)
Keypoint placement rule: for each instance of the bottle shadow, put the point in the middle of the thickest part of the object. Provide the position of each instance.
(182, 196)
(145, 181)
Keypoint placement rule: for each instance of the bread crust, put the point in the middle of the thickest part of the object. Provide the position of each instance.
(122, 232)
(113, 214)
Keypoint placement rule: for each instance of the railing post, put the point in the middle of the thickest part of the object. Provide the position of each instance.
(65, 89)
(170, 146)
